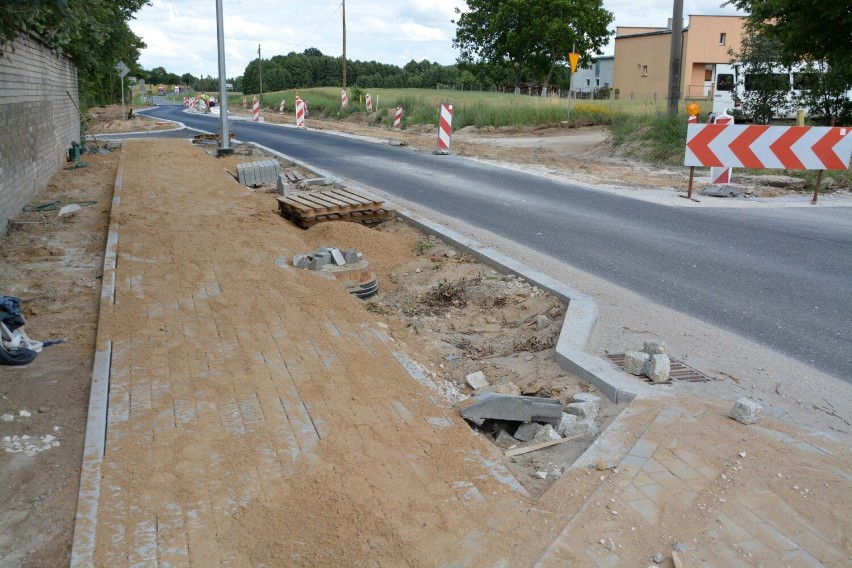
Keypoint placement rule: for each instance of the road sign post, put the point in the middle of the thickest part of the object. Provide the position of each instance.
(573, 58)
(123, 70)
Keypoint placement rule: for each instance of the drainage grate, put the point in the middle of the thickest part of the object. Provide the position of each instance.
(679, 371)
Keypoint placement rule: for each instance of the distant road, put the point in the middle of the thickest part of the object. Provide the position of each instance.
(781, 277)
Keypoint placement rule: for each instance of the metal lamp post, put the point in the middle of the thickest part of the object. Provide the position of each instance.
(225, 141)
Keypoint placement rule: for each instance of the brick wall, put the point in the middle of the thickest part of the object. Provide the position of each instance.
(37, 121)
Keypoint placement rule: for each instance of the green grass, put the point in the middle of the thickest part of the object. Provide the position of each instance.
(640, 129)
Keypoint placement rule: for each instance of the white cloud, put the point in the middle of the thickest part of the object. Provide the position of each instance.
(181, 34)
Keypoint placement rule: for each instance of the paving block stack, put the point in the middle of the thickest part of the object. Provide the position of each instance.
(258, 173)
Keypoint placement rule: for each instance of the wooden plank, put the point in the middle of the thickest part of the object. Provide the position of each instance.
(528, 449)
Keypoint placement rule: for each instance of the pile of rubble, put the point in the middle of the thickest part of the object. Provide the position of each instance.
(521, 424)
(651, 362)
(348, 267)
(326, 256)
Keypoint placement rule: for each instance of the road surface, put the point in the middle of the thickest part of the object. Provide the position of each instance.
(781, 277)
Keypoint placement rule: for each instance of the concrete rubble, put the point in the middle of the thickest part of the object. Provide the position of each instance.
(325, 256)
(651, 362)
(746, 411)
(476, 380)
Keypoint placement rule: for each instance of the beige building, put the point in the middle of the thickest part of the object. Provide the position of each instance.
(642, 57)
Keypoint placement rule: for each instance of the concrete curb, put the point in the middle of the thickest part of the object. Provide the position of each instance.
(581, 313)
(94, 446)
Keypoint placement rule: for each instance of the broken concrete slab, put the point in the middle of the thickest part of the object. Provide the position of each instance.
(654, 347)
(582, 409)
(527, 431)
(514, 407)
(634, 362)
(351, 256)
(476, 380)
(658, 368)
(578, 428)
(567, 421)
(505, 440)
(301, 261)
(746, 411)
(313, 181)
(546, 434)
(587, 397)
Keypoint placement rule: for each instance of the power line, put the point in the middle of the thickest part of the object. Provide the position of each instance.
(315, 32)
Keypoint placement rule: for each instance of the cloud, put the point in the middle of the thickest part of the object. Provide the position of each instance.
(181, 34)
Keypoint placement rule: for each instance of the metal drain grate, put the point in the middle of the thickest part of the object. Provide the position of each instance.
(679, 371)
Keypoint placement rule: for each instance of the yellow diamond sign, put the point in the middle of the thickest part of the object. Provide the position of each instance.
(573, 58)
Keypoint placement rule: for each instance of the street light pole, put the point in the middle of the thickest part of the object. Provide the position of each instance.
(344, 44)
(225, 140)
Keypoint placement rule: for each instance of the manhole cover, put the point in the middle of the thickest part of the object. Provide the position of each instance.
(679, 371)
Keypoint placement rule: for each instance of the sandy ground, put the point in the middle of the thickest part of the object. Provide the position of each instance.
(54, 265)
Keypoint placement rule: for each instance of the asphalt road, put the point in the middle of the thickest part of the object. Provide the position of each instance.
(781, 277)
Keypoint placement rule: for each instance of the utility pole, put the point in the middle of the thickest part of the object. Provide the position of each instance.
(225, 128)
(344, 43)
(260, 72)
(676, 54)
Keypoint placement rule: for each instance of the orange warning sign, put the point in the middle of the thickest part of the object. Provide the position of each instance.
(573, 58)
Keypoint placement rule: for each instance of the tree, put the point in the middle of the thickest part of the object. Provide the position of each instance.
(94, 33)
(583, 29)
(824, 92)
(805, 31)
(765, 82)
(496, 30)
(530, 35)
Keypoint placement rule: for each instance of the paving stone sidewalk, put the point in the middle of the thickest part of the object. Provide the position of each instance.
(258, 415)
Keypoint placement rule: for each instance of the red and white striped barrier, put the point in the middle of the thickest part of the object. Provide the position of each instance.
(245, 103)
(768, 147)
(369, 101)
(397, 119)
(344, 100)
(445, 128)
(722, 175)
(282, 105)
(300, 113)
(255, 110)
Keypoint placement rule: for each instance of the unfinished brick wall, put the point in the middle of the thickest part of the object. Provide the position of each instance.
(37, 121)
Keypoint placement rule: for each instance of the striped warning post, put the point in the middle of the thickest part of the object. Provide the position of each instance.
(300, 113)
(397, 119)
(282, 105)
(369, 101)
(255, 110)
(445, 128)
(245, 103)
(722, 175)
(344, 100)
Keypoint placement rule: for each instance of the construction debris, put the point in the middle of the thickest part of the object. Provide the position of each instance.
(348, 267)
(514, 407)
(307, 208)
(746, 411)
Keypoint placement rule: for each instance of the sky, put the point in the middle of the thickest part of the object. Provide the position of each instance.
(181, 34)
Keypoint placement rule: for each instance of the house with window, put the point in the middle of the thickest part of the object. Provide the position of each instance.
(598, 75)
(642, 56)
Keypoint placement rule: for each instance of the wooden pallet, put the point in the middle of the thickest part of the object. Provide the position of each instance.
(307, 208)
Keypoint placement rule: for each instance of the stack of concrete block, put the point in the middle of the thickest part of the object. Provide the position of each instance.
(258, 173)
